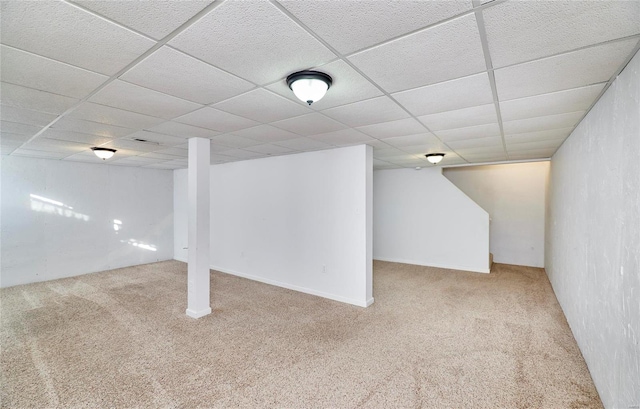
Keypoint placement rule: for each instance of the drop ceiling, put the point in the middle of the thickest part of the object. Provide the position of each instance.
(480, 81)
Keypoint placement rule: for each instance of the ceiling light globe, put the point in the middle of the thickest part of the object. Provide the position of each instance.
(434, 158)
(103, 153)
(309, 86)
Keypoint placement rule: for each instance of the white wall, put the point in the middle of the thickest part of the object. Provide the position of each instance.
(420, 217)
(514, 195)
(299, 221)
(593, 238)
(58, 218)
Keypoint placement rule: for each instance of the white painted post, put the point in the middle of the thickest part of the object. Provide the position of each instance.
(198, 302)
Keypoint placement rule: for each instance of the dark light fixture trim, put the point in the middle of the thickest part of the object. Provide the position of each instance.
(103, 153)
(434, 158)
(313, 76)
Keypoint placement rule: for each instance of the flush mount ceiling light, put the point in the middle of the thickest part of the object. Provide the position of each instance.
(434, 158)
(309, 86)
(103, 153)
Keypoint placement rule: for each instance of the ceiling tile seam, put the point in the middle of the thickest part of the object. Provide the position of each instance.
(132, 64)
(51, 59)
(428, 27)
(585, 47)
(492, 79)
(635, 50)
(507, 162)
(255, 84)
(556, 92)
(109, 20)
(159, 92)
(2, 81)
(332, 49)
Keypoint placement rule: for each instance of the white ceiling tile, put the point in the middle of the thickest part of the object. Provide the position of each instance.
(388, 153)
(33, 99)
(527, 146)
(137, 161)
(460, 118)
(348, 86)
(571, 100)
(262, 106)
(481, 151)
(216, 120)
(243, 154)
(266, 133)
(351, 26)
(215, 149)
(423, 149)
(560, 133)
(92, 140)
(82, 158)
(476, 143)
(25, 116)
(129, 147)
(55, 145)
(130, 97)
(6, 148)
(413, 140)
(69, 34)
(13, 138)
(114, 116)
(368, 112)
(532, 154)
(183, 130)
(234, 141)
(447, 96)
(154, 18)
(181, 75)
(156, 155)
(522, 31)
(451, 159)
(487, 157)
(219, 158)
(401, 127)
(303, 144)
(38, 154)
(377, 144)
(470, 132)
(179, 152)
(164, 165)
(408, 159)
(542, 123)
(309, 124)
(269, 149)
(159, 138)
(571, 70)
(444, 52)
(253, 40)
(29, 70)
(92, 128)
(17, 128)
(343, 137)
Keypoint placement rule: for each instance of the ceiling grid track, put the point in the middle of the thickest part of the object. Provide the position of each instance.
(129, 66)
(492, 77)
(355, 68)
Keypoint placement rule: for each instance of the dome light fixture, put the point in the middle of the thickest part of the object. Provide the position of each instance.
(434, 158)
(103, 153)
(309, 86)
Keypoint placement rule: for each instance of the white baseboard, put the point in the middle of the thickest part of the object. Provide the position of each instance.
(436, 265)
(363, 303)
(198, 314)
(180, 259)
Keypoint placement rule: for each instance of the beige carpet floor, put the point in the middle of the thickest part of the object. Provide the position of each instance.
(433, 338)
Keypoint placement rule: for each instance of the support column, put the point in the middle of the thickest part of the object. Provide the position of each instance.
(198, 302)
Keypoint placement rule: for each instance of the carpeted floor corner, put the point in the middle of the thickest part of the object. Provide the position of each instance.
(434, 338)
